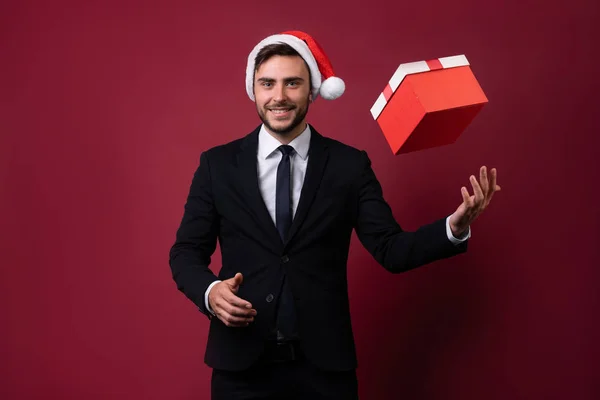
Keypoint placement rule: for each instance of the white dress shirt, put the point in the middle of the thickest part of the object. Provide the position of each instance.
(268, 158)
(268, 161)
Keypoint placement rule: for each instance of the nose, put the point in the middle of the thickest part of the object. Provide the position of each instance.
(279, 93)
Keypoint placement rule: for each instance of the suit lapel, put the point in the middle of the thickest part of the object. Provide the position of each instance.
(248, 180)
(317, 159)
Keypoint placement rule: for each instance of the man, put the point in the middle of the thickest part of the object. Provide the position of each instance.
(283, 202)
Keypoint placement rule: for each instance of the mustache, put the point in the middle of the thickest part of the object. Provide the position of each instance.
(282, 105)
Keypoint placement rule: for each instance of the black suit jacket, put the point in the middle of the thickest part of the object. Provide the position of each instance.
(340, 193)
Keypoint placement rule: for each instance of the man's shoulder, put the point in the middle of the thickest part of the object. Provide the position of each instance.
(337, 145)
(224, 148)
(230, 148)
(342, 149)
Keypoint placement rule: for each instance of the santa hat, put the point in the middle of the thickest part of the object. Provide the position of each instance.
(324, 82)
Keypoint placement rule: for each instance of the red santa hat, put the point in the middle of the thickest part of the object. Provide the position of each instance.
(324, 81)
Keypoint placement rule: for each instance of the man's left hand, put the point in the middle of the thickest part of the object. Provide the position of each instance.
(473, 205)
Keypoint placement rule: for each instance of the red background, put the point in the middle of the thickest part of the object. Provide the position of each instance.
(105, 109)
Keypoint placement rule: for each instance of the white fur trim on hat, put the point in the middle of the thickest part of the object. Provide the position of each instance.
(298, 45)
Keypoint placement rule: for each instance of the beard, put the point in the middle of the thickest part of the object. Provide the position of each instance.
(284, 130)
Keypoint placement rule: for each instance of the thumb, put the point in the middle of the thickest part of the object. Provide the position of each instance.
(235, 282)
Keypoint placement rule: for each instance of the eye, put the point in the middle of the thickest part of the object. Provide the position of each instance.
(266, 84)
(293, 83)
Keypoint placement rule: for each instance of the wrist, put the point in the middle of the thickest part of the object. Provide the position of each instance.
(458, 232)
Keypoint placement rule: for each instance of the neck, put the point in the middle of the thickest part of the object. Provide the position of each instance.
(287, 138)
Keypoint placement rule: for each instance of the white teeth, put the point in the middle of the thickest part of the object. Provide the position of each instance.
(279, 111)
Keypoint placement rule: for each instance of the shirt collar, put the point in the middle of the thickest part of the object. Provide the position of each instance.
(267, 144)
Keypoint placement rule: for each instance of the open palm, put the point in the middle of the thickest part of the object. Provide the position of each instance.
(473, 205)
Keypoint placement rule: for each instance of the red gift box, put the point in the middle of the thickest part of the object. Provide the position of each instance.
(428, 104)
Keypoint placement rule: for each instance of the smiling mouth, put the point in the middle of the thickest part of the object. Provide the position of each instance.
(280, 110)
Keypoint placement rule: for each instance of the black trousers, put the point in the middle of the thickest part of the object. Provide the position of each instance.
(284, 380)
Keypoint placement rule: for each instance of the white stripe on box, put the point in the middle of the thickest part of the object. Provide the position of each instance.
(454, 61)
(378, 106)
(406, 69)
(414, 68)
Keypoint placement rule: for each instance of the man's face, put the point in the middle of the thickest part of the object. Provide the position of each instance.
(282, 93)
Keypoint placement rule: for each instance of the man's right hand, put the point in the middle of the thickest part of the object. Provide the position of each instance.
(230, 309)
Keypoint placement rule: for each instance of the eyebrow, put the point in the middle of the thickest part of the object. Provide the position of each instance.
(286, 80)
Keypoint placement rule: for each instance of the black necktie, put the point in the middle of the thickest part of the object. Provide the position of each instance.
(283, 199)
(286, 315)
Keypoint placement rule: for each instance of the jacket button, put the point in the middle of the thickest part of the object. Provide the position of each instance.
(269, 298)
(285, 259)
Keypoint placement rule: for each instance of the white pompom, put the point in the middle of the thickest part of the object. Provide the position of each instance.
(332, 88)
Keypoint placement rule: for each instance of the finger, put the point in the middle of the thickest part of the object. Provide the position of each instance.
(225, 310)
(466, 197)
(476, 191)
(237, 310)
(483, 178)
(236, 301)
(236, 280)
(233, 321)
(494, 178)
(240, 312)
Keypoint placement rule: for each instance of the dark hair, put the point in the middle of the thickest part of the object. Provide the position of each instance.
(278, 49)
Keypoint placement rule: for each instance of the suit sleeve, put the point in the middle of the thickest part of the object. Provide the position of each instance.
(196, 238)
(396, 250)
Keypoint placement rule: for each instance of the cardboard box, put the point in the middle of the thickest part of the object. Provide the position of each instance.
(428, 104)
